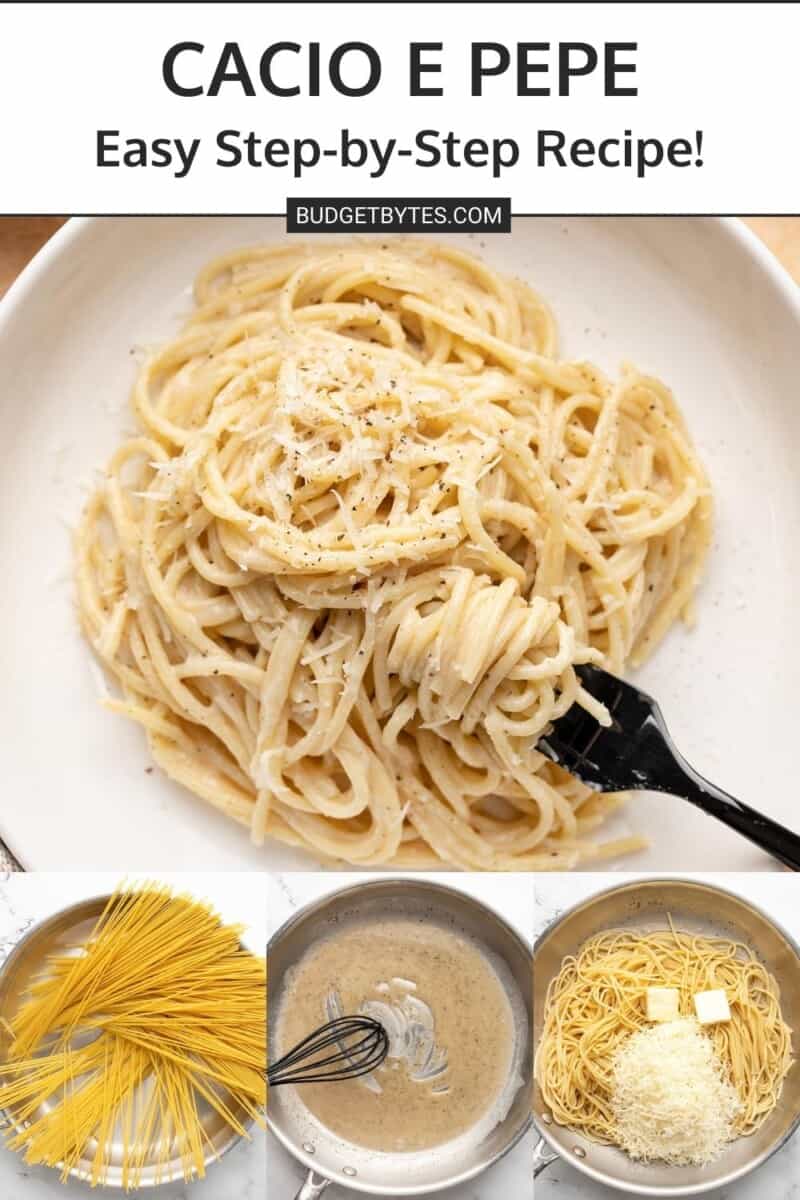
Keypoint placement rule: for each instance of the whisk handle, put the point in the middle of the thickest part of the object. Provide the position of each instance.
(313, 1187)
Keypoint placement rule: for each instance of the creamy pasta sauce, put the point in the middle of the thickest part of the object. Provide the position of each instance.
(419, 976)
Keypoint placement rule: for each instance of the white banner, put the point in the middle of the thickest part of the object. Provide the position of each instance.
(563, 108)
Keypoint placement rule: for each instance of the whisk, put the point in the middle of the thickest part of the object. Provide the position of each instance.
(358, 1044)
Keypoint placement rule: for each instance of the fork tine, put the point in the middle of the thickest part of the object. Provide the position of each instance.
(563, 755)
(612, 690)
(595, 753)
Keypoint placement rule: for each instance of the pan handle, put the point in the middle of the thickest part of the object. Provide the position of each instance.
(543, 1156)
(313, 1187)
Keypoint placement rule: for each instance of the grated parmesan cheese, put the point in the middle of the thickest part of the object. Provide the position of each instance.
(670, 1098)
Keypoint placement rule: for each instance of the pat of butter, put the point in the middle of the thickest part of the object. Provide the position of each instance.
(662, 1004)
(712, 1008)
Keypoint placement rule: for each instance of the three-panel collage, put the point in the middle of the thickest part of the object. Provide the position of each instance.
(399, 668)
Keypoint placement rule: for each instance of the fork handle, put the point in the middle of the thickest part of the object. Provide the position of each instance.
(758, 828)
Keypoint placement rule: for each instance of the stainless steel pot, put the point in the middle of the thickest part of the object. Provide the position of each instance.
(24, 962)
(696, 906)
(330, 1160)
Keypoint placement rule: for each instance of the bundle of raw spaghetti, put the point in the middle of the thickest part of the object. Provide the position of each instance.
(125, 1038)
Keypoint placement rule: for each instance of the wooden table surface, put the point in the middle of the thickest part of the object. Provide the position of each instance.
(21, 237)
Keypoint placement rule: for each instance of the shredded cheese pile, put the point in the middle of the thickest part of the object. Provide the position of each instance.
(670, 1098)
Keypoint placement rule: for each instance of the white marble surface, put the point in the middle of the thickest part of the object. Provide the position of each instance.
(7, 860)
(779, 897)
(239, 898)
(512, 897)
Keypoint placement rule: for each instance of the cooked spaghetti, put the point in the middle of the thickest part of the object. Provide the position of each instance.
(368, 527)
(597, 1001)
(122, 1040)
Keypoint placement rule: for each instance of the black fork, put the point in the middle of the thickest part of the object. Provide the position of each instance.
(636, 753)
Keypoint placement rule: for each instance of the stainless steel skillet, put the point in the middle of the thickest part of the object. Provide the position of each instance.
(330, 1160)
(703, 909)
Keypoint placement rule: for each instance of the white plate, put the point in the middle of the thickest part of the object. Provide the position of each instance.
(697, 301)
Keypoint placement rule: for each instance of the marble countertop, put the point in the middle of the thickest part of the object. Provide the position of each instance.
(7, 861)
(777, 1179)
(26, 899)
(512, 897)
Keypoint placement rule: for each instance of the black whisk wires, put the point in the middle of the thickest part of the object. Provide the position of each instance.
(358, 1044)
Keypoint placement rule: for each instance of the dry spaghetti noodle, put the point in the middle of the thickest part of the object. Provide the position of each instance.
(598, 1000)
(369, 526)
(125, 1038)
